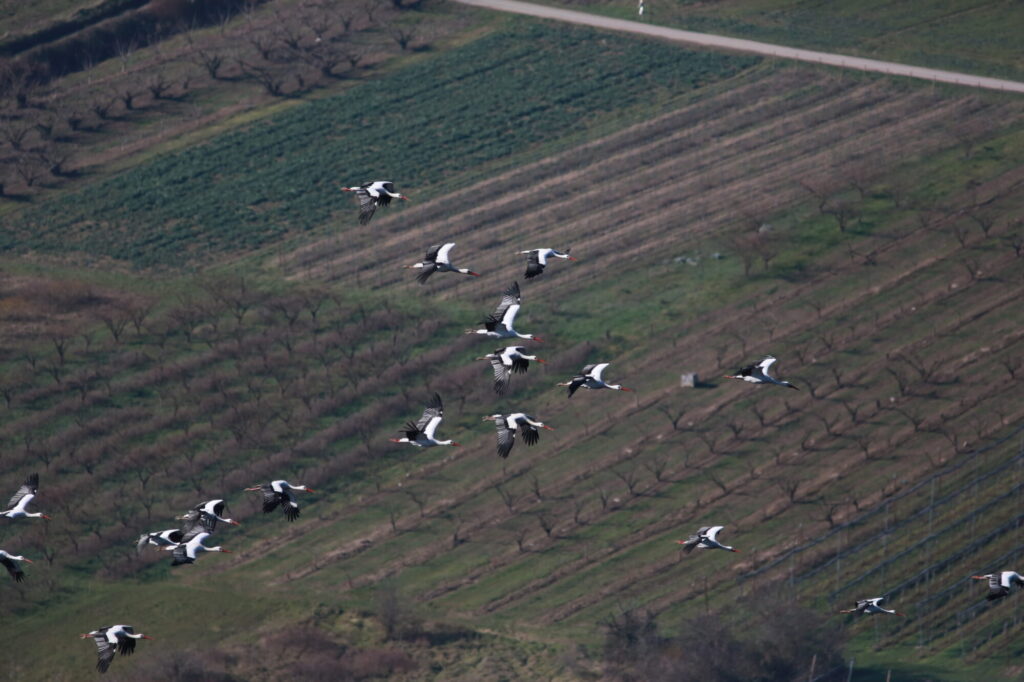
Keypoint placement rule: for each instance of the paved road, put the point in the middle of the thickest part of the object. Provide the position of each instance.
(740, 45)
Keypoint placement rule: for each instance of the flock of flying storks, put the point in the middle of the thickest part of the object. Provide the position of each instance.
(186, 542)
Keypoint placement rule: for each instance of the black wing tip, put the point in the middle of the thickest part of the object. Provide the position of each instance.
(32, 480)
(435, 401)
(292, 513)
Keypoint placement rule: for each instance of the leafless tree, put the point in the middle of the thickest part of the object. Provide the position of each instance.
(418, 499)
(830, 510)
(158, 85)
(789, 485)
(403, 35)
(1012, 365)
(973, 268)
(520, 537)
(15, 133)
(711, 439)
(546, 523)
(535, 488)
(722, 484)
(507, 496)
(629, 478)
(212, 62)
(100, 106)
(926, 369)
(674, 415)
(657, 466)
(578, 504)
(853, 410)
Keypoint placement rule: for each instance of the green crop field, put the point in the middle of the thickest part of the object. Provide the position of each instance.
(865, 232)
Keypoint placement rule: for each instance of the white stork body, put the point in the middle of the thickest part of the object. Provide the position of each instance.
(508, 425)
(18, 505)
(162, 538)
(871, 607)
(211, 512)
(705, 538)
(421, 434)
(119, 638)
(438, 260)
(758, 374)
(590, 378)
(373, 194)
(7, 560)
(280, 493)
(537, 259)
(499, 324)
(1000, 584)
(188, 550)
(505, 361)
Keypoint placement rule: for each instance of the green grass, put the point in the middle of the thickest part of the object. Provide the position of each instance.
(655, 303)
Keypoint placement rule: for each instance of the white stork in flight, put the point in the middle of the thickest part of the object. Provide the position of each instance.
(871, 607)
(374, 194)
(590, 378)
(1000, 584)
(498, 325)
(421, 434)
(195, 521)
(19, 503)
(509, 425)
(120, 638)
(438, 260)
(537, 259)
(758, 374)
(211, 513)
(505, 361)
(705, 538)
(280, 493)
(7, 560)
(187, 551)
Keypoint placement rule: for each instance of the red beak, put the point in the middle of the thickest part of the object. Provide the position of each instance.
(234, 523)
(735, 550)
(394, 440)
(28, 560)
(543, 362)
(549, 428)
(538, 339)
(47, 517)
(627, 389)
(310, 490)
(227, 551)
(475, 274)
(146, 637)
(402, 196)
(456, 445)
(571, 258)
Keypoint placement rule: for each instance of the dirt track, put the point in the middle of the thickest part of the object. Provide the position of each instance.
(750, 46)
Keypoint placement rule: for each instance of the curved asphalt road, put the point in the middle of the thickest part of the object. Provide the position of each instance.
(740, 45)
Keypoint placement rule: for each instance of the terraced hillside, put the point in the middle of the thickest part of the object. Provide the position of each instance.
(860, 230)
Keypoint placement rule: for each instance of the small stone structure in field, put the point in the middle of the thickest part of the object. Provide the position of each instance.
(689, 380)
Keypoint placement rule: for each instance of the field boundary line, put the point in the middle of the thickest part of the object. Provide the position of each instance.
(749, 46)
